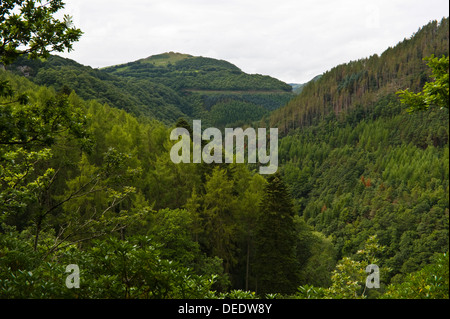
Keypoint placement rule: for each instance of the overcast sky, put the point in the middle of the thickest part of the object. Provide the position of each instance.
(292, 40)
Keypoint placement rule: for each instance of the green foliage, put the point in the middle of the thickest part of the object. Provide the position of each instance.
(219, 216)
(238, 294)
(113, 180)
(40, 122)
(235, 114)
(110, 268)
(30, 27)
(276, 266)
(198, 73)
(374, 169)
(431, 282)
(348, 279)
(386, 175)
(316, 256)
(140, 97)
(434, 93)
(84, 182)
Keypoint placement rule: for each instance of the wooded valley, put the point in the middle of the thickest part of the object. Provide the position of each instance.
(86, 179)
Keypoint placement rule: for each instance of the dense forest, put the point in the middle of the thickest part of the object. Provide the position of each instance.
(86, 179)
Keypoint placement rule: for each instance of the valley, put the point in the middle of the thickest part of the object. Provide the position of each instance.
(87, 178)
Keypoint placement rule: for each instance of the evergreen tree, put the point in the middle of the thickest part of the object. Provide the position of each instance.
(276, 266)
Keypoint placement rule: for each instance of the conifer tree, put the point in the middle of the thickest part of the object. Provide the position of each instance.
(275, 262)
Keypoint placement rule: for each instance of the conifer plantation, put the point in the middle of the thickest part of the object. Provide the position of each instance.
(86, 176)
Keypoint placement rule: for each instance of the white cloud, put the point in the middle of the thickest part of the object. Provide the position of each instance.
(292, 40)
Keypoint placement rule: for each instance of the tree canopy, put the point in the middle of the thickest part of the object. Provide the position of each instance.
(30, 27)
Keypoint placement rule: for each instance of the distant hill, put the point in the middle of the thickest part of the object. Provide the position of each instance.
(186, 72)
(298, 88)
(139, 97)
(167, 86)
(217, 91)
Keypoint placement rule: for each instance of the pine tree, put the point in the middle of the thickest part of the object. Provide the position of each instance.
(275, 263)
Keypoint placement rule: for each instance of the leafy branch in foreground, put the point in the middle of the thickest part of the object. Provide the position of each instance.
(431, 282)
(29, 27)
(434, 93)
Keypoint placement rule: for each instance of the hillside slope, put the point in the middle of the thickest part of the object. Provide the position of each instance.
(359, 84)
(166, 87)
(139, 97)
(185, 72)
(218, 91)
(358, 164)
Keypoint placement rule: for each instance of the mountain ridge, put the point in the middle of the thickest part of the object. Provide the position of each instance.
(166, 87)
(195, 72)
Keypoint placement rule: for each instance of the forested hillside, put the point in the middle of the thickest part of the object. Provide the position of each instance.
(359, 84)
(141, 98)
(166, 87)
(359, 164)
(86, 179)
(219, 92)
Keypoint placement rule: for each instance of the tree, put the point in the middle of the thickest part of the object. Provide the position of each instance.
(27, 131)
(348, 279)
(30, 27)
(219, 211)
(275, 263)
(93, 203)
(434, 93)
(250, 190)
(39, 123)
